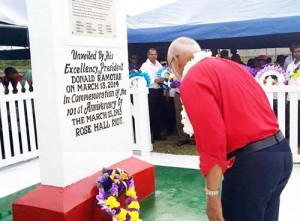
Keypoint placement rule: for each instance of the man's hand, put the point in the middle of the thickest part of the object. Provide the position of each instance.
(214, 208)
(158, 80)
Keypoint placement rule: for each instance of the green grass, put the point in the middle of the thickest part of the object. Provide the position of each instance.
(20, 65)
(169, 146)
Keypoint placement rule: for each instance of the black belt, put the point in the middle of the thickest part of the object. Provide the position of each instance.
(258, 145)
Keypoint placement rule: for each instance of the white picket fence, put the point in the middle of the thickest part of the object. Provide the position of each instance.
(140, 116)
(280, 93)
(18, 138)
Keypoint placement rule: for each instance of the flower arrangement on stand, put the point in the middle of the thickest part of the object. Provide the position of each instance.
(271, 75)
(112, 184)
(138, 74)
(169, 78)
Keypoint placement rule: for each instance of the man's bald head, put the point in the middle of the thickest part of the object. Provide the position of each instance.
(180, 52)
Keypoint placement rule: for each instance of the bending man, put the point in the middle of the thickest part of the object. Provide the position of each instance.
(237, 135)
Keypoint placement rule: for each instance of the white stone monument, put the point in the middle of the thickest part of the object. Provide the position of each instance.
(80, 71)
(82, 104)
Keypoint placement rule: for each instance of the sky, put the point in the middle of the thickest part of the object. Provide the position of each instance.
(141, 6)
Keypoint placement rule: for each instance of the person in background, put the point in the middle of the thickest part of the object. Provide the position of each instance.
(11, 77)
(257, 64)
(289, 59)
(183, 137)
(214, 52)
(237, 59)
(27, 77)
(290, 71)
(233, 52)
(263, 60)
(280, 60)
(155, 96)
(237, 135)
(134, 62)
(295, 63)
(250, 62)
(224, 54)
(168, 119)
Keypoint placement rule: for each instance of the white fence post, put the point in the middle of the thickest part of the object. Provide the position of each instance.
(140, 112)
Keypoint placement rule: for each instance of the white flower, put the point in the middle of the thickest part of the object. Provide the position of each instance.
(198, 56)
(187, 126)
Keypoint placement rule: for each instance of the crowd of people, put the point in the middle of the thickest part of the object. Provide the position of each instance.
(165, 105)
(13, 77)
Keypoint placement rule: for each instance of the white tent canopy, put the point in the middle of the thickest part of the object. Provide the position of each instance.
(13, 12)
(218, 19)
(218, 23)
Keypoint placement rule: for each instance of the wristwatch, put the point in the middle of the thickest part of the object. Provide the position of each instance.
(209, 192)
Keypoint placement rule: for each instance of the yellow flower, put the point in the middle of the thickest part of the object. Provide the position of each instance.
(134, 205)
(131, 192)
(120, 176)
(172, 76)
(121, 215)
(134, 216)
(112, 176)
(123, 175)
(112, 202)
(296, 75)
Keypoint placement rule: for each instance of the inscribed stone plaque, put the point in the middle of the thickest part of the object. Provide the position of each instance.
(92, 18)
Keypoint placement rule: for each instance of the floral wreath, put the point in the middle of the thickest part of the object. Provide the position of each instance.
(296, 74)
(169, 78)
(112, 184)
(277, 70)
(136, 74)
(198, 56)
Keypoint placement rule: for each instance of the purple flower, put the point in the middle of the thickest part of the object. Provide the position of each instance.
(116, 210)
(128, 217)
(251, 70)
(107, 210)
(114, 189)
(175, 82)
(129, 183)
(122, 188)
(104, 181)
(128, 200)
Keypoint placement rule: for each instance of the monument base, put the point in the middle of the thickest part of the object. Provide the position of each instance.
(77, 201)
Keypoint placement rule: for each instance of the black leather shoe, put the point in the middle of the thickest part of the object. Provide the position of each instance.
(182, 142)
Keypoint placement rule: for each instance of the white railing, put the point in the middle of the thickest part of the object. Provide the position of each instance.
(18, 139)
(284, 102)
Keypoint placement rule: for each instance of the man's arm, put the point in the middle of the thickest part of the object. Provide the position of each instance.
(213, 202)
